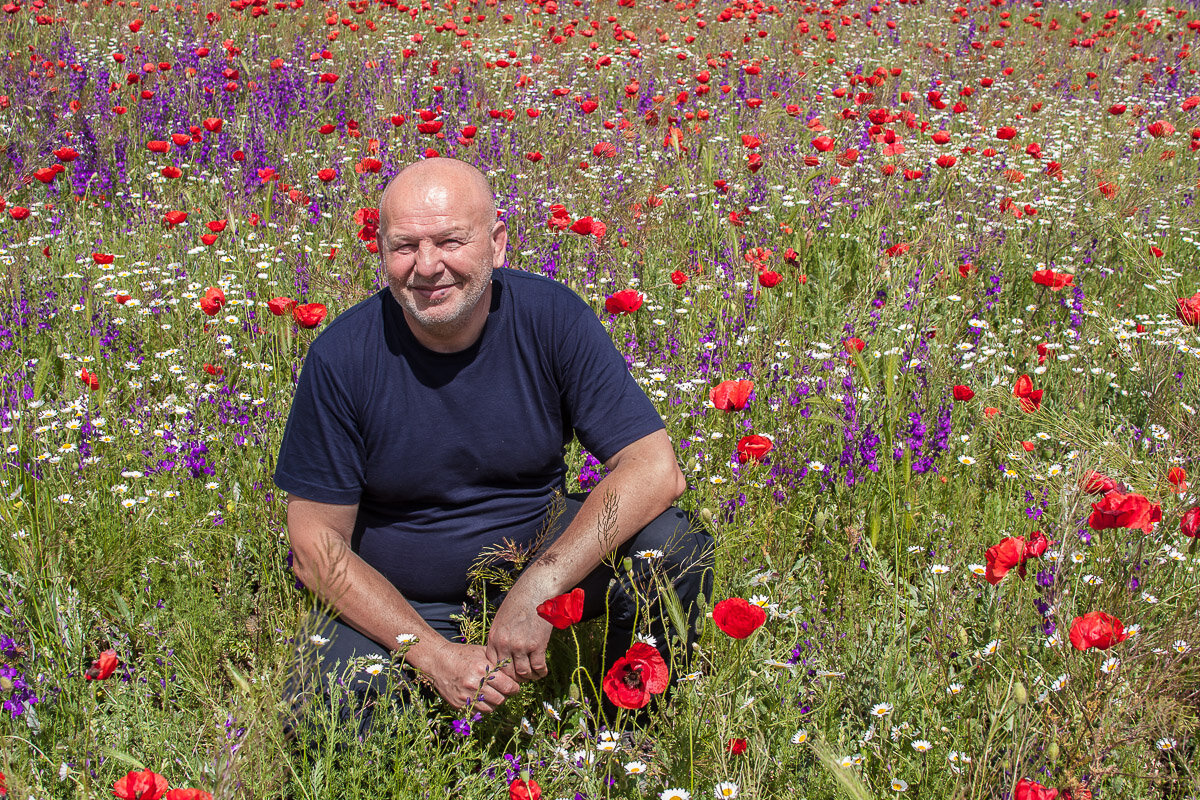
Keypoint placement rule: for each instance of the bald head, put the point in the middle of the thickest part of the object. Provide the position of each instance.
(455, 182)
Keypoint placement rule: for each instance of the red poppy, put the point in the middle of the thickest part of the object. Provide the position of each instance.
(1177, 477)
(753, 447)
(1008, 555)
(89, 379)
(847, 157)
(181, 139)
(626, 301)
(171, 172)
(1096, 483)
(432, 127)
(1187, 309)
(173, 218)
(102, 667)
(212, 369)
(1053, 280)
(584, 226)
(1029, 398)
(1006, 132)
(678, 278)
(736, 746)
(280, 305)
(638, 674)
(213, 124)
(963, 394)
(1189, 523)
(823, 144)
(750, 141)
(564, 610)
(523, 789)
(738, 617)
(731, 395)
(102, 258)
(1096, 629)
(329, 77)
(187, 794)
(144, 785)
(18, 213)
(769, 278)
(945, 162)
(122, 297)
(66, 154)
(854, 345)
(1117, 510)
(156, 146)
(210, 306)
(1030, 790)
(1160, 128)
(309, 315)
(326, 175)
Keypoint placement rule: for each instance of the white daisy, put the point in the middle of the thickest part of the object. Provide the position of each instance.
(675, 794)
(635, 768)
(725, 789)
(800, 736)
(881, 709)
(921, 745)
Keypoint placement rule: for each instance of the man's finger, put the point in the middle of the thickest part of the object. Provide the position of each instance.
(522, 668)
(538, 665)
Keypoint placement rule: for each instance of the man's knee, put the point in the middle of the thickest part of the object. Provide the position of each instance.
(681, 547)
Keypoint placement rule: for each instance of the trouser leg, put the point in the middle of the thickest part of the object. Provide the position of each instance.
(672, 549)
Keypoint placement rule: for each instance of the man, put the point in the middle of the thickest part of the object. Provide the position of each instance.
(430, 422)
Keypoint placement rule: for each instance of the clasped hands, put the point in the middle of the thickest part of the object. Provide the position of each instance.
(483, 676)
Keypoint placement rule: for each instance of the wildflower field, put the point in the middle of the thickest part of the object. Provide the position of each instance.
(915, 286)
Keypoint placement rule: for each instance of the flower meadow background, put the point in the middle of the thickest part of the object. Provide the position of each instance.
(949, 251)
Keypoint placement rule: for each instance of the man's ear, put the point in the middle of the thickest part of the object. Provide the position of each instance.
(499, 244)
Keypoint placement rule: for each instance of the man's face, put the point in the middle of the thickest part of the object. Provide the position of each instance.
(438, 249)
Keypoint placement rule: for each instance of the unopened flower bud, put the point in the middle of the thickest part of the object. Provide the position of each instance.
(1019, 693)
(1052, 751)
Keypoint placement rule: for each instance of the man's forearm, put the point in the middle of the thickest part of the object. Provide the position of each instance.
(364, 598)
(634, 493)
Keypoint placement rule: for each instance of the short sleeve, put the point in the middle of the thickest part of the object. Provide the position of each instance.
(606, 407)
(322, 457)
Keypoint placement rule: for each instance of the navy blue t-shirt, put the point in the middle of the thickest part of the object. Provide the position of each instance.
(447, 454)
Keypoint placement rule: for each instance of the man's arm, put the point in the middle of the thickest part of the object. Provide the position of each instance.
(320, 535)
(644, 480)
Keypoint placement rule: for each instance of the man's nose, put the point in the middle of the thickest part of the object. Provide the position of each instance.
(428, 259)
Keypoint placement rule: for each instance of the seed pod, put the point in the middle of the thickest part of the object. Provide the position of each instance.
(1019, 693)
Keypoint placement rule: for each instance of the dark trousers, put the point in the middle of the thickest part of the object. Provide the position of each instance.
(682, 554)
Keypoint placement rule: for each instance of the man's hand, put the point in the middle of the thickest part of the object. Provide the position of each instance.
(458, 671)
(519, 637)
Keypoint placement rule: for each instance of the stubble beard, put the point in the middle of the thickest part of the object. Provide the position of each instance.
(439, 324)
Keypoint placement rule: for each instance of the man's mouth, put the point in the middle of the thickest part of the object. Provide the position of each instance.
(432, 292)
